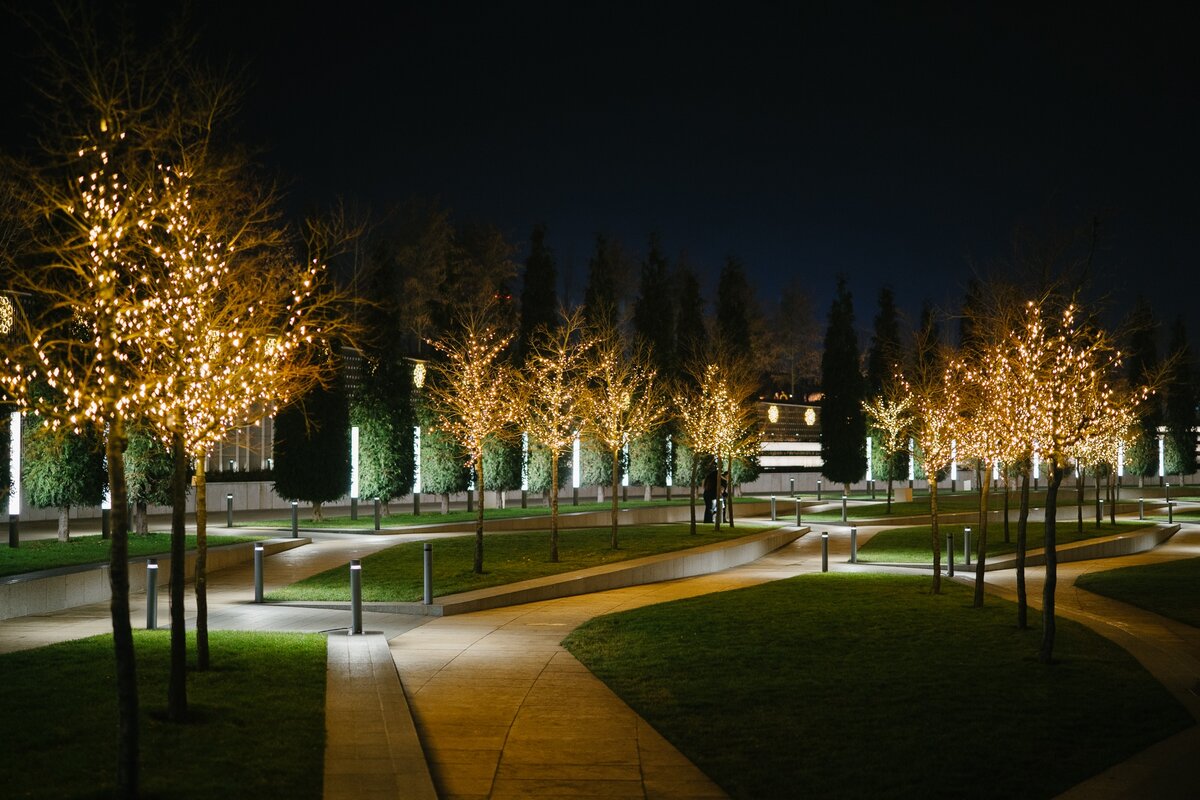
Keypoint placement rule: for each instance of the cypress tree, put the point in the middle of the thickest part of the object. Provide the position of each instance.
(1141, 455)
(691, 332)
(843, 423)
(735, 304)
(149, 469)
(883, 358)
(312, 448)
(539, 302)
(383, 412)
(601, 296)
(654, 311)
(1181, 405)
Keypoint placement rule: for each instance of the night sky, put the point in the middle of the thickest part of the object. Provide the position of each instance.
(897, 146)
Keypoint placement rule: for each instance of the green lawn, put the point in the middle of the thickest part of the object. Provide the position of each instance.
(947, 504)
(38, 554)
(396, 574)
(1169, 588)
(431, 515)
(258, 725)
(912, 545)
(868, 686)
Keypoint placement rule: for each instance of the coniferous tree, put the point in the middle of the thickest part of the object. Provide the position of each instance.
(443, 464)
(691, 332)
(843, 423)
(1181, 403)
(539, 301)
(1141, 454)
(735, 305)
(602, 295)
(654, 311)
(539, 470)
(883, 359)
(383, 412)
(502, 465)
(312, 448)
(61, 469)
(148, 472)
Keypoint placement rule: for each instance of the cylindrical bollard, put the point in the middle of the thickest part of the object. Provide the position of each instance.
(14, 530)
(258, 572)
(428, 574)
(416, 504)
(228, 510)
(950, 554)
(843, 508)
(525, 497)
(151, 593)
(470, 501)
(825, 551)
(853, 544)
(377, 512)
(792, 486)
(773, 515)
(574, 495)
(353, 509)
(355, 596)
(818, 490)
(967, 546)
(1170, 512)
(105, 523)
(872, 489)
(797, 512)
(295, 519)
(1141, 508)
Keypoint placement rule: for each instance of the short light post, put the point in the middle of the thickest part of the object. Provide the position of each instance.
(797, 512)
(524, 498)
(151, 593)
(818, 489)
(428, 561)
(853, 544)
(967, 546)
(356, 596)
(825, 551)
(295, 519)
(258, 572)
(416, 504)
(1141, 508)
(774, 517)
(792, 486)
(843, 508)
(1170, 513)
(949, 554)
(229, 509)
(377, 512)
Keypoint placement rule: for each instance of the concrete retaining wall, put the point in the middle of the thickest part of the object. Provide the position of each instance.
(67, 587)
(1122, 544)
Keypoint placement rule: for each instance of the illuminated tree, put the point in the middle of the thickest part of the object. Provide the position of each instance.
(622, 401)
(554, 389)
(473, 396)
(891, 420)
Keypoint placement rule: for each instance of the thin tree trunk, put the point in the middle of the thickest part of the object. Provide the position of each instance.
(1079, 497)
(445, 502)
(981, 553)
(1022, 542)
(616, 480)
(717, 515)
(647, 495)
(1099, 510)
(937, 540)
(118, 578)
(143, 525)
(889, 497)
(692, 488)
(1046, 654)
(177, 704)
(554, 506)
(729, 483)
(1112, 496)
(201, 565)
(1007, 481)
(64, 523)
(317, 511)
(479, 513)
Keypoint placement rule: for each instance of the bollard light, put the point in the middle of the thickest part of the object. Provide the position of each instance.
(843, 508)
(428, 599)
(258, 572)
(295, 519)
(1141, 508)
(774, 517)
(377, 504)
(818, 490)
(416, 504)
(792, 485)
(949, 554)
(355, 597)
(1170, 512)
(853, 544)
(825, 551)
(797, 512)
(151, 593)
(229, 510)
(967, 546)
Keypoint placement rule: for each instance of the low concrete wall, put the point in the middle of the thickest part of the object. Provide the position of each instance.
(651, 569)
(1122, 544)
(66, 587)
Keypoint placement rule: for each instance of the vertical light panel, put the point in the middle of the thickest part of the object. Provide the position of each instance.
(575, 462)
(1120, 459)
(625, 477)
(870, 464)
(1037, 463)
(354, 462)
(14, 461)
(416, 459)
(912, 460)
(670, 461)
(524, 462)
(1162, 469)
(953, 459)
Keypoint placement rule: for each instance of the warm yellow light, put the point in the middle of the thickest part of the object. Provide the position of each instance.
(418, 375)
(773, 414)
(810, 417)
(7, 315)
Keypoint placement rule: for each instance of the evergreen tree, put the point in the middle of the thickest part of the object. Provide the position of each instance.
(843, 422)
(654, 311)
(595, 465)
(61, 469)
(148, 472)
(383, 412)
(443, 464)
(691, 332)
(1181, 405)
(648, 460)
(1141, 455)
(502, 465)
(312, 448)
(735, 305)
(539, 469)
(539, 303)
(602, 295)
(968, 329)
(883, 358)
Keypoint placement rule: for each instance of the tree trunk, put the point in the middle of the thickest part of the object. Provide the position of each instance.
(889, 497)
(616, 479)
(445, 502)
(1099, 510)
(695, 467)
(981, 552)
(118, 580)
(1079, 498)
(937, 540)
(318, 512)
(648, 495)
(1046, 654)
(143, 525)
(1007, 480)
(1022, 541)
(201, 565)
(479, 513)
(64, 524)
(1112, 496)
(177, 705)
(729, 483)
(553, 506)
(717, 515)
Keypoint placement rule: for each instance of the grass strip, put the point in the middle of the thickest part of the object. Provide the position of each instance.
(947, 504)
(868, 686)
(38, 554)
(911, 545)
(257, 727)
(396, 574)
(1167, 588)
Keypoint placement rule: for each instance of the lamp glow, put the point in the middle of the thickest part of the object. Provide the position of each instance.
(575, 462)
(14, 460)
(354, 462)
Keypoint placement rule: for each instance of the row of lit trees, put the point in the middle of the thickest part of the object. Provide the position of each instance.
(164, 291)
(581, 378)
(1037, 380)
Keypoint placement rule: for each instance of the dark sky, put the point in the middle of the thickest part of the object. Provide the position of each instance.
(898, 145)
